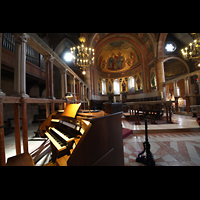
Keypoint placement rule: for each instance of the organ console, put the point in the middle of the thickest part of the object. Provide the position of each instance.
(79, 142)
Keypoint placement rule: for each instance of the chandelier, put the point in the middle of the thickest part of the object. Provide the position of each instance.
(192, 52)
(82, 56)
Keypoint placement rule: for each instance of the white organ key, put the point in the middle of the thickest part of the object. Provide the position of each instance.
(55, 143)
(62, 135)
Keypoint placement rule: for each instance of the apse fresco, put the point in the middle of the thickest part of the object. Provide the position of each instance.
(117, 56)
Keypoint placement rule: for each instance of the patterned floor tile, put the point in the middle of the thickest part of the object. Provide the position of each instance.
(168, 149)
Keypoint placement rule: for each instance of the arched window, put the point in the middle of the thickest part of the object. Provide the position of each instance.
(116, 86)
(131, 84)
(103, 84)
(178, 91)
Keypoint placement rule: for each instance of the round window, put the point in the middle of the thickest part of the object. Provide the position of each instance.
(170, 47)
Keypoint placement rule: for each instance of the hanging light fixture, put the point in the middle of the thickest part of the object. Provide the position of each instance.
(82, 56)
(192, 52)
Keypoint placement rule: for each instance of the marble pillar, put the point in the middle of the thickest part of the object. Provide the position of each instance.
(20, 64)
(74, 86)
(49, 76)
(63, 73)
(89, 80)
(186, 81)
(161, 75)
(175, 88)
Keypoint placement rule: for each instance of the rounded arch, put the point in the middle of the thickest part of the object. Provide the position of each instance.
(131, 84)
(177, 58)
(92, 40)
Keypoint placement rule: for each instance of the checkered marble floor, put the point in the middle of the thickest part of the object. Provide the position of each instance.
(168, 149)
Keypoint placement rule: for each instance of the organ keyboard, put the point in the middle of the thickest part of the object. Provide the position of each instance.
(78, 142)
(65, 133)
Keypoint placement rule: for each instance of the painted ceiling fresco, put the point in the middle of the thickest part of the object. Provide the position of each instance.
(117, 56)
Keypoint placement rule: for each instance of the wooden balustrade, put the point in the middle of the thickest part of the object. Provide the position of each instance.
(17, 101)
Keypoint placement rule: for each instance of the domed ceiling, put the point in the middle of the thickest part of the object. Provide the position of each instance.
(121, 54)
(124, 55)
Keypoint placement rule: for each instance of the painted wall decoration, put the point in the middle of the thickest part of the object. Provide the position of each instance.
(138, 81)
(153, 81)
(123, 84)
(122, 55)
(117, 56)
(143, 36)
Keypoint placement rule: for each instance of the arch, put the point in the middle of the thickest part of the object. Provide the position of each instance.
(177, 58)
(92, 40)
(140, 48)
(131, 84)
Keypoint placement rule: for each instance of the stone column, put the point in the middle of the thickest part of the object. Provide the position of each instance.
(20, 64)
(161, 75)
(89, 81)
(186, 81)
(198, 75)
(63, 73)
(79, 89)
(74, 85)
(175, 88)
(1, 35)
(71, 82)
(65, 82)
(83, 92)
(49, 76)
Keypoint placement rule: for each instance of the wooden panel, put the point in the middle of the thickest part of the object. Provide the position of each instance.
(24, 126)
(101, 145)
(17, 128)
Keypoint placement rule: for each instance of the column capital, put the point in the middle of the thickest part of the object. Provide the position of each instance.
(48, 58)
(63, 71)
(160, 58)
(20, 37)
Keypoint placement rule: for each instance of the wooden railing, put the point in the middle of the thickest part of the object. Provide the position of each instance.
(17, 101)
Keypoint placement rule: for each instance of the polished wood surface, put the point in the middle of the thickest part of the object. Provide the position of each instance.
(47, 122)
(20, 160)
(101, 145)
(91, 115)
(17, 128)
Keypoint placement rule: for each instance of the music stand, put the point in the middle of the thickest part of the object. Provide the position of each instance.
(148, 159)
